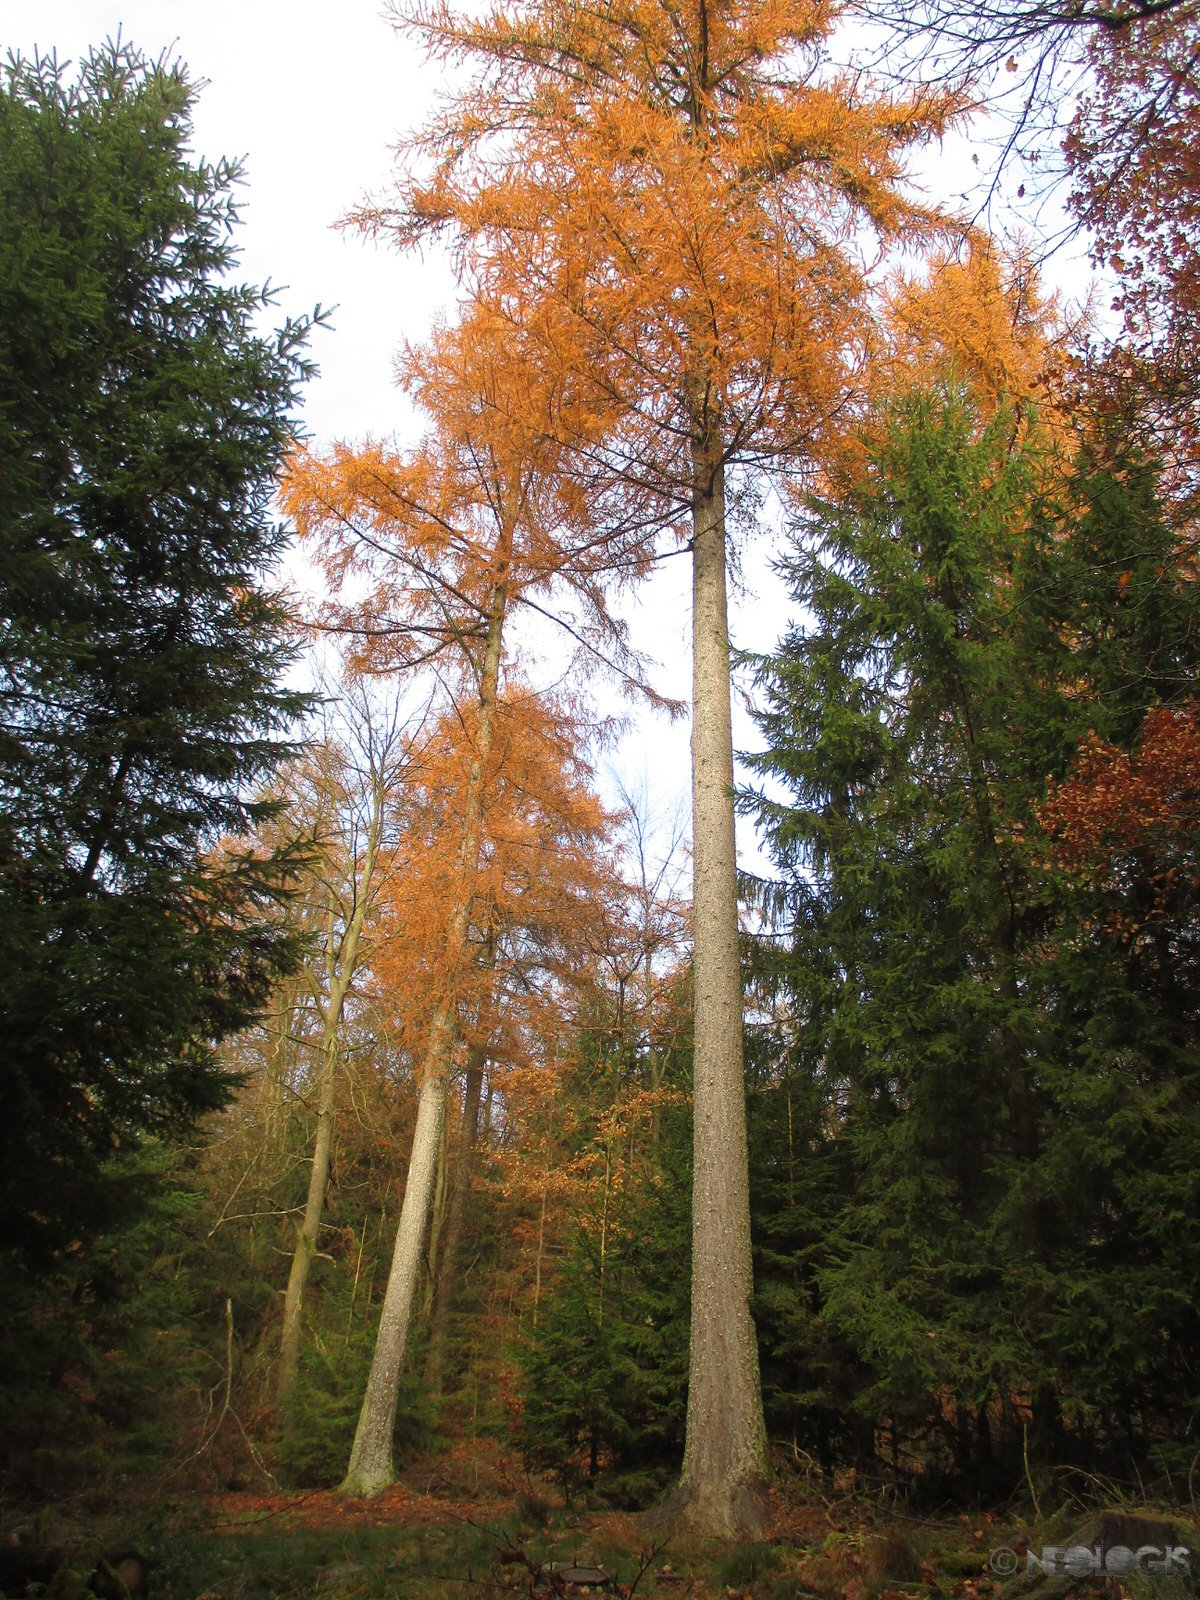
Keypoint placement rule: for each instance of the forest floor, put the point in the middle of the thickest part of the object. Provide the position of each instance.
(462, 1525)
(409, 1543)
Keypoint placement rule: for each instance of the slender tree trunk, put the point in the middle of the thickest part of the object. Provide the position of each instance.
(540, 1257)
(462, 1168)
(724, 1466)
(437, 1221)
(371, 1466)
(310, 1228)
(281, 1028)
(340, 968)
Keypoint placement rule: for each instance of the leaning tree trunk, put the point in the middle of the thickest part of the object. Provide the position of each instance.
(724, 1466)
(371, 1466)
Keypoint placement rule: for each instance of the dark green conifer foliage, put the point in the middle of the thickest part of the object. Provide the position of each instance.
(606, 1367)
(1004, 1105)
(100, 1353)
(801, 1178)
(315, 1438)
(142, 419)
(605, 1364)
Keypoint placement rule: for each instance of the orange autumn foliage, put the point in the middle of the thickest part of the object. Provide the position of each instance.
(980, 316)
(539, 885)
(673, 207)
(413, 543)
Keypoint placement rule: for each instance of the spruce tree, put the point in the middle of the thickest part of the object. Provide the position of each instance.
(142, 662)
(605, 1360)
(1001, 1097)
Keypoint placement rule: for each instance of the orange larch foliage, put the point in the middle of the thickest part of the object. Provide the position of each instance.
(414, 542)
(981, 316)
(673, 205)
(540, 885)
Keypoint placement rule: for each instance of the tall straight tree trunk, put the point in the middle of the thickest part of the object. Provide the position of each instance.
(371, 1466)
(724, 1466)
(340, 968)
(462, 1168)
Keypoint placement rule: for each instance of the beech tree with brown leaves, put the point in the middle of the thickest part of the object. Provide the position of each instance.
(1127, 824)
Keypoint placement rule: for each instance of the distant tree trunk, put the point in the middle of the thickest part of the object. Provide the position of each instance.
(341, 960)
(280, 1027)
(724, 1467)
(371, 1466)
(437, 1221)
(540, 1257)
(462, 1168)
(310, 1228)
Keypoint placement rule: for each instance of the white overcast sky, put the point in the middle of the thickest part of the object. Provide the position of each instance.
(312, 96)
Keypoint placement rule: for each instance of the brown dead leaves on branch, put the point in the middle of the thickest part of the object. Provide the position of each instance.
(1127, 819)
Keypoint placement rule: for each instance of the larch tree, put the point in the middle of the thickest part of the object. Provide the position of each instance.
(541, 889)
(451, 537)
(673, 205)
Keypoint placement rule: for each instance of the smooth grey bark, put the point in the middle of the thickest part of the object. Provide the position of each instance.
(724, 1467)
(371, 1466)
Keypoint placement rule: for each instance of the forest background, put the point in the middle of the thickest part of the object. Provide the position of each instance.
(969, 970)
